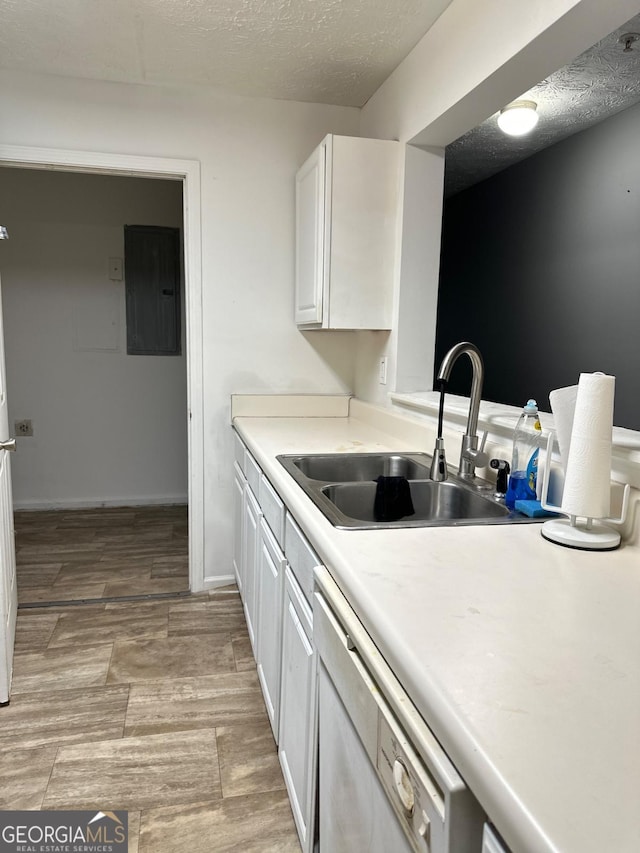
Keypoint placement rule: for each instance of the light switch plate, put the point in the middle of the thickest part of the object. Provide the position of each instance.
(383, 370)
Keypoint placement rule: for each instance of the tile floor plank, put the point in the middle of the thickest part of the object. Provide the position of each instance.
(140, 586)
(175, 657)
(136, 773)
(39, 672)
(251, 824)
(63, 717)
(25, 775)
(242, 651)
(70, 576)
(248, 759)
(78, 592)
(190, 703)
(134, 831)
(211, 617)
(138, 622)
(34, 630)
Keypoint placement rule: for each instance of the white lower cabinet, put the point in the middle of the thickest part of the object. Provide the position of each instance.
(252, 517)
(273, 563)
(239, 484)
(268, 650)
(298, 700)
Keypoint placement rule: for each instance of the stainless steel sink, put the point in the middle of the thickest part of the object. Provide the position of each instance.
(432, 502)
(343, 487)
(356, 467)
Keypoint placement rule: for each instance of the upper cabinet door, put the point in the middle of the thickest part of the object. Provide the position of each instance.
(310, 242)
(347, 201)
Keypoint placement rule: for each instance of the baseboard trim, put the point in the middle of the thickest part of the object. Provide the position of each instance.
(165, 500)
(219, 580)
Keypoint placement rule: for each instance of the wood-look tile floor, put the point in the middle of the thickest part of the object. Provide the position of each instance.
(67, 555)
(150, 706)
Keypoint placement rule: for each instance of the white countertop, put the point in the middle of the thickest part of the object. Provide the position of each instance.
(521, 655)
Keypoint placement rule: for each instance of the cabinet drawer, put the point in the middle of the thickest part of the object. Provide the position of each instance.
(299, 603)
(272, 509)
(252, 473)
(239, 451)
(300, 556)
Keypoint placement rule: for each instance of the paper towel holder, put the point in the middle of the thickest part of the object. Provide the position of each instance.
(585, 534)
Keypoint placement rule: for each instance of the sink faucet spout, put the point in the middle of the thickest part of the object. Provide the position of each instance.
(470, 456)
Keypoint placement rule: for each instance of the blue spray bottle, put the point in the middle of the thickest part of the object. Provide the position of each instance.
(524, 462)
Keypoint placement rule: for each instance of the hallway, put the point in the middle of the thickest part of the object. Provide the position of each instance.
(110, 552)
(149, 706)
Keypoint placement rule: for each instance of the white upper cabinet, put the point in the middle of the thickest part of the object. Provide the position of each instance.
(346, 223)
(310, 223)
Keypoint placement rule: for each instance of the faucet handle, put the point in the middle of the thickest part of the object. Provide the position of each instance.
(477, 456)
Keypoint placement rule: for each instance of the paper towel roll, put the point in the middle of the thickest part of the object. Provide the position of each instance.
(563, 404)
(587, 483)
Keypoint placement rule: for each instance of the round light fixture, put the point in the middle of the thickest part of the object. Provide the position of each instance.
(518, 118)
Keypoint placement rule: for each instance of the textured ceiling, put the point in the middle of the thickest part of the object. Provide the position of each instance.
(324, 51)
(602, 81)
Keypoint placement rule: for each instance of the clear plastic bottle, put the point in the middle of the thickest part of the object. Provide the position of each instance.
(524, 462)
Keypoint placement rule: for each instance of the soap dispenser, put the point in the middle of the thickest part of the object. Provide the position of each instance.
(524, 462)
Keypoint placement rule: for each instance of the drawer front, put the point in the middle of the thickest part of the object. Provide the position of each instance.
(239, 451)
(301, 606)
(272, 509)
(252, 473)
(300, 556)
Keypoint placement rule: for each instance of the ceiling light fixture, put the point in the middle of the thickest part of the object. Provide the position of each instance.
(628, 40)
(518, 117)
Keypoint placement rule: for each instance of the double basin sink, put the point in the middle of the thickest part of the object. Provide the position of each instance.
(343, 486)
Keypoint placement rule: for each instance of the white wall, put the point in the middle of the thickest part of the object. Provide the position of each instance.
(476, 58)
(102, 420)
(249, 150)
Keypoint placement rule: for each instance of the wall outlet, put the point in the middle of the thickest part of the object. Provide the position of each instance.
(383, 370)
(23, 428)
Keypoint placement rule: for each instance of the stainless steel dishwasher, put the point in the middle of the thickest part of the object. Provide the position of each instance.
(385, 783)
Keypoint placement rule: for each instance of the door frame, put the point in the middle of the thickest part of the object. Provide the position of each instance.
(187, 171)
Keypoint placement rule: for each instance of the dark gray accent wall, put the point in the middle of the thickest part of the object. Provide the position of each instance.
(540, 268)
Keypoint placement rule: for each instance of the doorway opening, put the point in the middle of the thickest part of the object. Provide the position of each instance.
(138, 526)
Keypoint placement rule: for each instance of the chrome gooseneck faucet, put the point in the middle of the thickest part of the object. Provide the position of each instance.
(470, 455)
